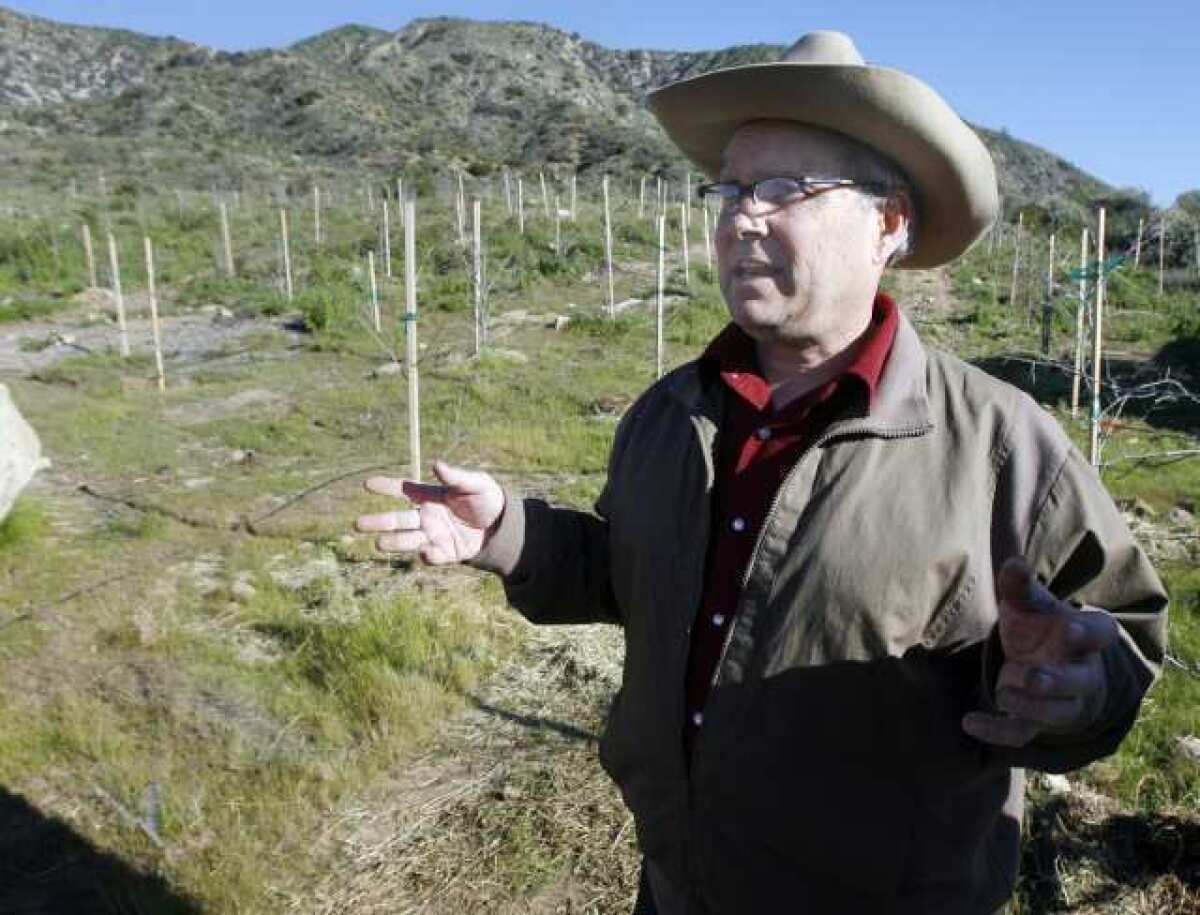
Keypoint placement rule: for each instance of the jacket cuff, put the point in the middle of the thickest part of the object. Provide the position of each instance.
(502, 548)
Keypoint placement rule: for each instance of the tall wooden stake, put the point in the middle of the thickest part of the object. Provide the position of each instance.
(1080, 312)
(520, 204)
(608, 252)
(317, 216)
(661, 281)
(477, 232)
(508, 192)
(1048, 304)
(1012, 294)
(1098, 343)
(460, 212)
(1137, 245)
(557, 227)
(226, 241)
(642, 198)
(410, 336)
(155, 330)
(377, 318)
(574, 194)
(287, 254)
(115, 266)
(707, 236)
(90, 255)
(387, 240)
(687, 255)
(545, 194)
(1162, 248)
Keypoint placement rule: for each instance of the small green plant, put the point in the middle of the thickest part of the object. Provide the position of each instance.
(25, 524)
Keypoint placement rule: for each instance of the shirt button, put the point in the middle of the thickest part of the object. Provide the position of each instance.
(738, 525)
(763, 433)
(697, 719)
(718, 619)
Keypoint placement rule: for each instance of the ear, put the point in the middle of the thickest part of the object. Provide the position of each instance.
(895, 220)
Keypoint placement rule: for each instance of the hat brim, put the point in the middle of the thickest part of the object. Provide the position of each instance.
(951, 171)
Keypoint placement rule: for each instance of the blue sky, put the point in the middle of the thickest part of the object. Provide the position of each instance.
(1113, 87)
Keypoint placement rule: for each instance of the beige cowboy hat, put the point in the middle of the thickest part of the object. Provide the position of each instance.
(823, 81)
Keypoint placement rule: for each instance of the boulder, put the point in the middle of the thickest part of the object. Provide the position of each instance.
(20, 453)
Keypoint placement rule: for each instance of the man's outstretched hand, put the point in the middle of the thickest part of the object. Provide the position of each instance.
(451, 522)
(1053, 676)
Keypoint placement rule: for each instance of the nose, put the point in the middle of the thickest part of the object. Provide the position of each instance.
(747, 218)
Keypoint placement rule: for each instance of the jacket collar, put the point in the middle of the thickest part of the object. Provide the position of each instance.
(900, 406)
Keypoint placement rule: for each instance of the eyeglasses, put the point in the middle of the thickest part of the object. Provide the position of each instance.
(778, 192)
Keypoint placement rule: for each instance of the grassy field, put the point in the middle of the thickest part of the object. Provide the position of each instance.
(215, 699)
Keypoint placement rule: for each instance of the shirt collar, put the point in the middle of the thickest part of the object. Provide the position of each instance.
(733, 355)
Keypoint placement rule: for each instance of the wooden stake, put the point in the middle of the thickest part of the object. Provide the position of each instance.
(410, 336)
(687, 257)
(155, 330)
(520, 204)
(387, 241)
(608, 252)
(378, 318)
(574, 194)
(90, 256)
(642, 198)
(115, 266)
(708, 254)
(1162, 248)
(1098, 343)
(508, 192)
(1012, 295)
(661, 278)
(545, 194)
(1080, 311)
(317, 216)
(1137, 245)
(226, 241)
(287, 254)
(477, 232)
(460, 212)
(1048, 304)
(557, 228)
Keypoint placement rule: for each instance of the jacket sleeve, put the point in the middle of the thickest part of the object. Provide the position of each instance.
(554, 561)
(1081, 548)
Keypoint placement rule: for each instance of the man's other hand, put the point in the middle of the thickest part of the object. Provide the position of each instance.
(1053, 678)
(451, 522)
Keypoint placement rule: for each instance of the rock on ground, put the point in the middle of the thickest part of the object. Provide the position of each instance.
(20, 453)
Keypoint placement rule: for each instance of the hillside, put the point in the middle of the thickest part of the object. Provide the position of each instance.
(435, 94)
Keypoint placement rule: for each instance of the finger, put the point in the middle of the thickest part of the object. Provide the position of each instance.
(403, 542)
(1018, 587)
(999, 730)
(1050, 681)
(1048, 712)
(389, 521)
(460, 478)
(435, 555)
(385, 486)
(424, 492)
(1089, 631)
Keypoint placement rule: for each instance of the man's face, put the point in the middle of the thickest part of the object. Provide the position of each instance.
(805, 273)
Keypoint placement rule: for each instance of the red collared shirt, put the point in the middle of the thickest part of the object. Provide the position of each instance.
(757, 446)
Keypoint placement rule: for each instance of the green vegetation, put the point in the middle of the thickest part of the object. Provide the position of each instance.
(195, 630)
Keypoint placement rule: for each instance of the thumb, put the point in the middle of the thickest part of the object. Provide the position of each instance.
(459, 478)
(1017, 587)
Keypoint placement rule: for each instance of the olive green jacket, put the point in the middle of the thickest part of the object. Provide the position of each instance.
(832, 774)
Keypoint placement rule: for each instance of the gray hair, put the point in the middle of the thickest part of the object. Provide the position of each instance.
(894, 183)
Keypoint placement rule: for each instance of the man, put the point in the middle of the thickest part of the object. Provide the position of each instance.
(862, 585)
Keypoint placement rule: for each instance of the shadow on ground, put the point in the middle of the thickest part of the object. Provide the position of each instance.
(1076, 863)
(1050, 383)
(46, 868)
